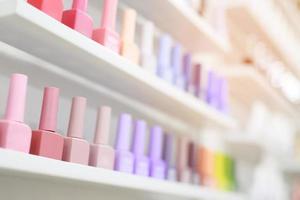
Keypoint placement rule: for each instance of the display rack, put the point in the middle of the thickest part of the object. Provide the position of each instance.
(57, 44)
(33, 168)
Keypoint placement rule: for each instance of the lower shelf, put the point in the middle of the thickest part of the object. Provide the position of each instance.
(32, 170)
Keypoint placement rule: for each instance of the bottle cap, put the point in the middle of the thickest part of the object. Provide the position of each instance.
(102, 125)
(109, 13)
(49, 111)
(156, 142)
(76, 122)
(16, 99)
(123, 132)
(139, 134)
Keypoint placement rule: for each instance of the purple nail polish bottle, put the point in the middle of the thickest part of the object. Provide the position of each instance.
(187, 72)
(141, 162)
(176, 65)
(168, 157)
(157, 165)
(197, 80)
(124, 158)
(212, 89)
(223, 96)
(164, 58)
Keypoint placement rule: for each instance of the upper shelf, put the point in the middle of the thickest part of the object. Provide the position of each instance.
(28, 29)
(250, 86)
(44, 170)
(261, 18)
(188, 27)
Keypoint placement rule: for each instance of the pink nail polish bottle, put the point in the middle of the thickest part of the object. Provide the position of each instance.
(14, 134)
(45, 141)
(76, 149)
(128, 47)
(184, 173)
(54, 8)
(78, 19)
(106, 34)
(101, 154)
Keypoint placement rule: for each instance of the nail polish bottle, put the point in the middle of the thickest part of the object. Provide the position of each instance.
(46, 141)
(128, 47)
(78, 19)
(211, 91)
(141, 162)
(192, 163)
(157, 165)
(124, 160)
(176, 65)
(184, 173)
(196, 80)
(76, 149)
(14, 133)
(164, 70)
(101, 154)
(148, 61)
(223, 96)
(106, 34)
(187, 72)
(53, 8)
(206, 167)
(169, 152)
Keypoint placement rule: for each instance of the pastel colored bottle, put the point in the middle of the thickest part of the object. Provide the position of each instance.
(46, 141)
(211, 91)
(141, 162)
(187, 72)
(206, 167)
(129, 49)
(124, 161)
(196, 80)
(164, 70)
(106, 35)
(148, 61)
(223, 96)
(101, 154)
(14, 133)
(176, 64)
(192, 163)
(78, 19)
(76, 149)
(157, 165)
(184, 172)
(53, 8)
(168, 157)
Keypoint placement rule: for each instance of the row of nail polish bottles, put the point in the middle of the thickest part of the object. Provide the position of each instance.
(127, 156)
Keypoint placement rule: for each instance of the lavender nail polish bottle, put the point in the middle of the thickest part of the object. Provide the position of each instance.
(164, 59)
(187, 72)
(141, 162)
(176, 65)
(168, 157)
(157, 165)
(124, 158)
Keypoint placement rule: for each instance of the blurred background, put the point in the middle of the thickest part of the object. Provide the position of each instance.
(254, 45)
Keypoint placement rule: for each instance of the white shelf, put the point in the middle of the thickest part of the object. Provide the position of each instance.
(266, 21)
(180, 20)
(48, 170)
(28, 29)
(247, 85)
